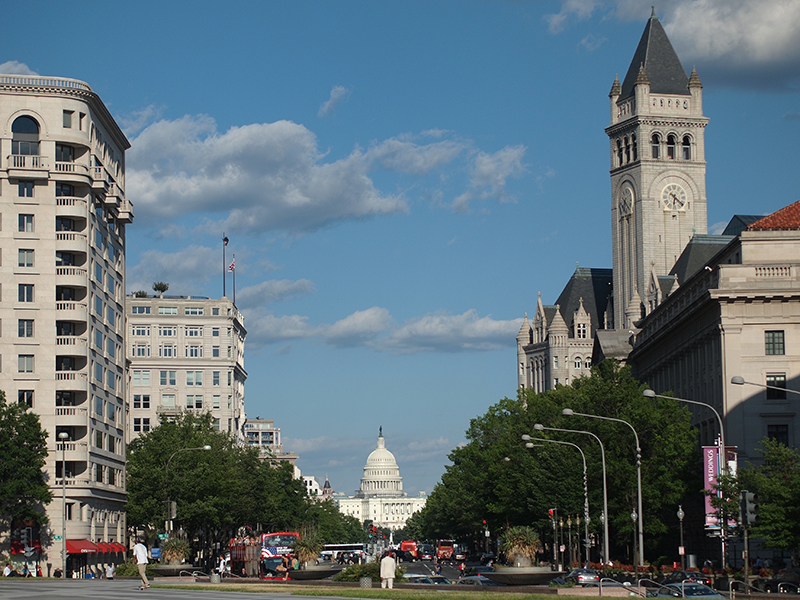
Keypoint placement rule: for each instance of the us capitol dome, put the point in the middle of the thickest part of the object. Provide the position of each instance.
(381, 498)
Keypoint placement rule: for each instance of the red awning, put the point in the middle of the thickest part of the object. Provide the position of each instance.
(117, 547)
(81, 547)
(103, 547)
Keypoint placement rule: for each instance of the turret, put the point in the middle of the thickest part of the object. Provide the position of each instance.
(616, 90)
(696, 90)
(641, 87)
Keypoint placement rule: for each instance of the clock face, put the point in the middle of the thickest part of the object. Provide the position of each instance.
(625, 201)
(674, 197)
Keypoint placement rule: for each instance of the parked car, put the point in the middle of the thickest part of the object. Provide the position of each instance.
(686, 576)
(426, 579)
(685, 590)
(786, 581)
(477, 580)
(478, 570)
(582, 577)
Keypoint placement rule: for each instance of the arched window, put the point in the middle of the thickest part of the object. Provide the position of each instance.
(25, 136)
(656, 146)
(619, 153)
(627, 150)
(687, 148)
(671, 147)
(578, 362)
(635, 149)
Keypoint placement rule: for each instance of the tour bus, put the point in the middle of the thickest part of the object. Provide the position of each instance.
(333, 551)
(270, 548)
(445, 549)
(410, 547)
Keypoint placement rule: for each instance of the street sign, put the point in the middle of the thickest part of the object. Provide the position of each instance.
(681, 550)
(57, 538)
(162, 536)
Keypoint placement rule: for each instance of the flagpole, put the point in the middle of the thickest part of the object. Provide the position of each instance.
(224, 262)
(234, 278)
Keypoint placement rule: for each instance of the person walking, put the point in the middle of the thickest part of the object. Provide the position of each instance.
(140, 553)
(110, 571)
(388, 566)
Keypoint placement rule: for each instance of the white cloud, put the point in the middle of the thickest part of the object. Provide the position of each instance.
(581, 8)
(489, 173)
(187, 270)
(359, 328)
(269, 292)
(265, 328)
(138, 120)
(258, 178)
(14, 67)
(337, 93)
(397, 154)
(452, 333)
(717, 228)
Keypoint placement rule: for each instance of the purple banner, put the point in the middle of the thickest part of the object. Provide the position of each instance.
(710, 471)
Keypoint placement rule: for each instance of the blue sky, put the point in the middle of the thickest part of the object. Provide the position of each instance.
(398, 180)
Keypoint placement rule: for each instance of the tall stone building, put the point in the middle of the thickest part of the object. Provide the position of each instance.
(185, 354)
(62, 236)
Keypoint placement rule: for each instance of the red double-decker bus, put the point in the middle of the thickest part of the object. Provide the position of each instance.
(444, 549)
(263, 555)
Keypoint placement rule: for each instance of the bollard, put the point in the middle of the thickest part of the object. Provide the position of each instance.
(365, 582)
(214, 578)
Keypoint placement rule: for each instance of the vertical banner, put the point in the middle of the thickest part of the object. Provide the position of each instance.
(710, 471)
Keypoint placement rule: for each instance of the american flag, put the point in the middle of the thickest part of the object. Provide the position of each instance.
(233, 265)
(224, 241)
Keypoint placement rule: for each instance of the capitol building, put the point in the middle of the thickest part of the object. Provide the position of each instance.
(381, 498)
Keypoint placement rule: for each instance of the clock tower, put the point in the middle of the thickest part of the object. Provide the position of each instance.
(658, 173)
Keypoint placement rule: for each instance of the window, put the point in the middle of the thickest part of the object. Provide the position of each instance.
(578, 362)
(140, 310)
(111, 316)
(26, 223)
(774, 343)
(64, 259)
(25, 328)
(168, 350)
(779, 433)
(167, 399)
(193, 310)
(634, 148)
(194, 351)
(167, 377)
(581, 331)
(671, 147)
(98, 372)
(98, 404)
(111, 284)
(141, 350)
(98, 473)
(98, 273)
(140, 330)
(687, 148)
(777, 380)
(25, 397)
(98, 306)
(215, 401)
(99, 240)
(215, 311)
(112, 348)
(137, 425)
(194, 378)
(195, 402)
(64, 153)
(98, 439)
(141, 378)
(25, 363)
(655, 146)
(67, 119)
(64, 190)
(229, 352)
(25, 190)
(215, 378)
(619, 153)
(230, 377)
(112, 413)
(98, 338)
(215, 351)
(627, 150)
(168, 310)
(146, 424)
(194, 332)
(215, 331)
(141, 401)
(168, 331)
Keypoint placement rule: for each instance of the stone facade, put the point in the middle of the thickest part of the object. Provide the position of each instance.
(64, 220)
(185, 353)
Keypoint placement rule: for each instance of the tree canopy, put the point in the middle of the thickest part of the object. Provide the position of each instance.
(496, 479)
(23, 482)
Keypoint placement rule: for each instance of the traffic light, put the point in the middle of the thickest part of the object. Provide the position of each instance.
(173, 510)
(551, 513)
(750, 508)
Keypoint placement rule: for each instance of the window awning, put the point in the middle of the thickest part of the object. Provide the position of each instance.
(81, 547)
(103, 547)
(117, 547)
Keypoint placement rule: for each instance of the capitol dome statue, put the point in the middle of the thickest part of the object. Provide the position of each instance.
(381, 498)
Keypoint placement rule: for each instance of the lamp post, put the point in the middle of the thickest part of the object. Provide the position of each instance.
(723, 451)
(635, 567)
(560, 548)
(168, 521)
(569, 539)
(738, 380)
(577, 532)
(540, 427)
(568, 412)
(682, 514)
(63, 436)
(603, 522)
(586, 519)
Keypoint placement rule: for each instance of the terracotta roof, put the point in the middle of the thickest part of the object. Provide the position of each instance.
(786, 218)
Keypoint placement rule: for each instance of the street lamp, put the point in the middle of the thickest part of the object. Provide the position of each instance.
(168, 521)
(723, 451)
(633, 518)
(540, 427)
(738, 380)
(568, 412)
(63, 436)
(569, 538)
(586, 519)
(682, 514)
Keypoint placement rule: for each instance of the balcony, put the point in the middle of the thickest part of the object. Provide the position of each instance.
(69, 310)
(71, 345)
(99, 178)
(74, 276)
(72, 381)
(125, 211)
(168, 410)
(71, 168)
(27, 165)
(71, 416)
(67, 206)
(113, 195)
(69, 240)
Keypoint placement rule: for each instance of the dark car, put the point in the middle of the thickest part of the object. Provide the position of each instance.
(685, 590)
(477, 580)
(686, 576)
(582, 577)
(785, 581)
(478, 570)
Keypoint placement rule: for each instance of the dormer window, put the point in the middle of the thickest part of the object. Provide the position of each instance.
(580, 331)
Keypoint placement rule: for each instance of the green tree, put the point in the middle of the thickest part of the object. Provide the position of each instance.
(496, 479)
(23, 446)
(777, 483)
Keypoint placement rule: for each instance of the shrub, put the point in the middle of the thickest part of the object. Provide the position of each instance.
(175, 549)
(519, 541)
(372, 569)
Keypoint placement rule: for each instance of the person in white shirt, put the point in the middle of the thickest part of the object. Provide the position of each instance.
(7, 570)
(140, 553)
(388, 566)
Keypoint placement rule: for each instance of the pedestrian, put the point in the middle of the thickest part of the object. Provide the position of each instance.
(388, 566)
(461, 569)
(7, 571)
(110, 571)
(438, 569)
(140, 553)
(39, 570)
